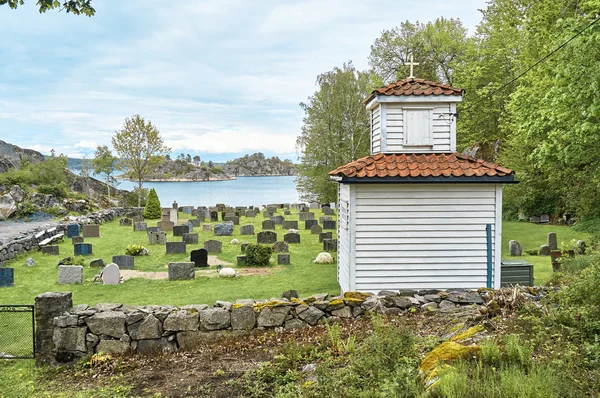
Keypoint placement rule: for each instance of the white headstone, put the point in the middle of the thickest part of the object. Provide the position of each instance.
(111, 275)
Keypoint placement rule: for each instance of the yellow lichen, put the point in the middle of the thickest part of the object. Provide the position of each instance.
(270, 304)
(356, 296)
(239, 305)
(445, 352)
(468, 333)
(353, 300)
(336, 302)
(297, 301)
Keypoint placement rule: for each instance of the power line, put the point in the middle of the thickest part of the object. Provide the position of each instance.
(532, 66)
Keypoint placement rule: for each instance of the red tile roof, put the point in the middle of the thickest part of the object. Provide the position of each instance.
(420, 165)
(414, 86)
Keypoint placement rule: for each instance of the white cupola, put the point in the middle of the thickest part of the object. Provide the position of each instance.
(413, 116)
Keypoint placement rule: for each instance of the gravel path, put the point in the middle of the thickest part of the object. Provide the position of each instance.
(12, 229)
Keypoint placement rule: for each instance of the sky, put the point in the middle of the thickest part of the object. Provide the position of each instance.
(219, 79)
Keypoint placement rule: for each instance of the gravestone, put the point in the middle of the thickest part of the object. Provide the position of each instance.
(268, 224)
(283, 259)
(309, 223)
(278, 219)
(181, 271)
(234, 219)
(325, 235)
(314, 205)
(213, 246)
(303, 216)
(50, 250)
(544, 250)
(72, 230)
(330, 245)
(199, 257)
(77, 239)
(175, 247)
(552, 241)
(82, 249)
(69, 274)
(138, 219)
(190, 239)
(251, 213)
(196, 222)
(292, 237)
(173, 216)
(201, 217)
(241, 261)
(328, 211)
(225, 229)
(152, 229)
(91, 231)
(214, 216)
(111, 274)
(124, 261)
(166, 226)
(7, 277)
(190, 226)
(140, 226)
(534, 219)
(316, 229)
(195, 212)
(324, 218)
(247, 229)
(515, 248)
(287, 213)
(329, 224)
(206, 227)
(290, 225)
(243, 246)
(267, 214)
(175, 205)
(280, 247)
(125, 222)
(187, 209)
(544, 219)
(266, 237)
(97, 262)
(179, 230)
(157, 238)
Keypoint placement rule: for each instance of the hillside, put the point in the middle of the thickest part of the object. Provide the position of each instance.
(180, 170)
(10, 156)
(257, 165)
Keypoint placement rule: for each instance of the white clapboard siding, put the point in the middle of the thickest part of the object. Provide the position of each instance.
(441, 125)
(344, 243)
(376, 130)
(419, 236)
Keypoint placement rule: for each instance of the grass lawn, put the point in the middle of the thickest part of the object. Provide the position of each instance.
(301, 274)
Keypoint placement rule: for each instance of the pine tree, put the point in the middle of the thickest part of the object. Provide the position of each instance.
(152, 211)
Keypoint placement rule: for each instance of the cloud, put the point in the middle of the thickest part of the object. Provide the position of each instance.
(86, 144)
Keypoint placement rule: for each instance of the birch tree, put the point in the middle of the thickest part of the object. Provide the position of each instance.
(335, 130)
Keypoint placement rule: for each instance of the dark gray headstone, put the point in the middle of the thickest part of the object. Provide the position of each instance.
(324, 218)
(290, 225)
(278, 219)
(196, 222)
(157, 238)
(303, 216)
(179, 230)
(251, 213)
(82, 249)
(329, 224)
(97, 262)
(325, 235)
(544, 250)
(309, 223)
(544, 219)
(190, 239)
(199, 257)
(266, 237)
(283, 259)
(214, 216)
(316, 229)
(225, 229)
(176, 247)
(51, 250)
(247, 229)
(140, 226)
(180, 271)
(330, 245)
(152, 229)
(281, 247)
(514, 248)
(234, 219)
(77, 239)
(291, 237)
(213, 246)
(241, 261)
(175, 205)
(552, 241)
(166, 225)
(268, 224)
(124, 261)
(328, 211)
(138, 218)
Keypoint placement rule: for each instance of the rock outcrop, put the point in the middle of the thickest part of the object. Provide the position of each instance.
(257, 165)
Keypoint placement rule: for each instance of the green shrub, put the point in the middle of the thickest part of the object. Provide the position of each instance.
(77, 260)
(258, 254)
(58, 190)
(136, 250)
(152, 211)
(26, 208)
(131, 198)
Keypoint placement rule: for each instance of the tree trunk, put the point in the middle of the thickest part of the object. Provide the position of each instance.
(139, 193)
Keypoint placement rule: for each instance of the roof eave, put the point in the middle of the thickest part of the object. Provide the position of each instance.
(506, 179)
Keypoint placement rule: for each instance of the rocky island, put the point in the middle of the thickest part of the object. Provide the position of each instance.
(258, 165)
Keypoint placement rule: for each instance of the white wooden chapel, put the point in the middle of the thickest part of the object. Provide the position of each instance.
(415, 213)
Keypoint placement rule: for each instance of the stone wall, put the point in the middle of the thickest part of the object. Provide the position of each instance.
(116, 328)
(27, 241)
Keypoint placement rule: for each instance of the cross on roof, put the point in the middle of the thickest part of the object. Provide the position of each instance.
(411, 64)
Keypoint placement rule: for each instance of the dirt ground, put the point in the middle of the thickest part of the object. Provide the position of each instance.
(209, 272)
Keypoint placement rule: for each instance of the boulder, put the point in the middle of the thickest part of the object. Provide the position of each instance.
(215, 319)
(311, 315)
(149, 328)
(69, 339)
(243, 317)
(181, 320)
(273, 316)
(8, 206)
(110, 323)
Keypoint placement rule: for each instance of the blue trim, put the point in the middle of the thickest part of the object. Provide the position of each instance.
(488, 232)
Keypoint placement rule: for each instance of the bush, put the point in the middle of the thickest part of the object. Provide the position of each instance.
(136, 250)
(25, 209)
(58, 190)
(131, 198)
(152, 211)
(258, 254)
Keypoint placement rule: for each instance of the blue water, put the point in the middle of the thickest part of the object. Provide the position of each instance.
(244, 191)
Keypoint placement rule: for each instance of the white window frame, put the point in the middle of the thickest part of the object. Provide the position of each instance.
(406, 132)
